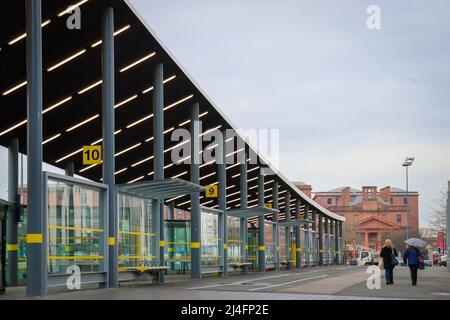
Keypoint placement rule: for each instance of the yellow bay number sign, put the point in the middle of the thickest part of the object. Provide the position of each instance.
(212, 191)
(92, 155)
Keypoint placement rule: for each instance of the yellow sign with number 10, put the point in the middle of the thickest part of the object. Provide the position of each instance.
(92, 155)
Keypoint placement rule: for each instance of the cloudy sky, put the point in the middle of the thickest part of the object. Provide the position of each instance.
(350, 102)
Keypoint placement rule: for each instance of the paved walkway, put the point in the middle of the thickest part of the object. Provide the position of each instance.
(317, 283)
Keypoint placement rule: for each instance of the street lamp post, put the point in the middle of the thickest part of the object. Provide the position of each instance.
(407, 163)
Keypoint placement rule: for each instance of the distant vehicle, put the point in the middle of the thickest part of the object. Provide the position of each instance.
(443, 260)
(427, 262)
(367, 258)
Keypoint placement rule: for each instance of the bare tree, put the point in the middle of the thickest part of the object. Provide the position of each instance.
(437, 221)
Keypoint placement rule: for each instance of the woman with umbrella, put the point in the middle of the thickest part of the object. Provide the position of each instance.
(411, 256)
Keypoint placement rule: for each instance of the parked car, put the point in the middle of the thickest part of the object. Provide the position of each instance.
(367, 258)
(443, 260)
(427, 263)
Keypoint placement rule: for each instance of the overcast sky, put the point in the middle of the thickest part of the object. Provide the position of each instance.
(350, 103)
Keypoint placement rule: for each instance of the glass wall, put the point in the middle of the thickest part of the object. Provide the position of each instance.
(326, 248)
(178, 245)
(283, 244)
(234, 239)
(269, 242)
(303, 245)
(137, 246)
(313, 255)
(252, 246)
(210, 239)
(75, 231)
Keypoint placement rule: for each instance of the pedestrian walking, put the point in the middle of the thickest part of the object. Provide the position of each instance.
(411, 257)
(389, 256)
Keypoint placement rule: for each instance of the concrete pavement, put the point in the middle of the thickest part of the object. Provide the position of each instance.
(316, 283)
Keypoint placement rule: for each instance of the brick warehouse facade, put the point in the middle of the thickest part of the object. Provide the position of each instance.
(371, 215)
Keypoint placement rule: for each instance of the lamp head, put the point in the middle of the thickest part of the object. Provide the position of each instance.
(408, 161)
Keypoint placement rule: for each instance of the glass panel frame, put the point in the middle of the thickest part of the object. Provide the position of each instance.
(89, 224)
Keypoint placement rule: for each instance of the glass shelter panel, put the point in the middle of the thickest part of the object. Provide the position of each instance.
(269, 242)
(137, 247)
(234, 239)
(75, 230)
(283, 244)
(210, 240)
(252, 246)
(178, 249)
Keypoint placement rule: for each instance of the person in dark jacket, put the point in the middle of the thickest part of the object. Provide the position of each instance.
(386, 253)
(411, 256)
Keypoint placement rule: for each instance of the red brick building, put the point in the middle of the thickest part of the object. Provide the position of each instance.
(370, 214)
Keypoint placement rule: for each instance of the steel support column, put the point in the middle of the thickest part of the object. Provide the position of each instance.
(222, 173)
(327, 235)
(69, 169)
(341, 245)
(158, 151)
(287, 210)
(12, 232)
(36, 230)
(320, 239)
(307, 244)
(336, 242)
(331, 242)
(109, 148)
(261, 225)
(244, 204)
(277, 226)
(298, 248)
(314, 237)
(196, 263)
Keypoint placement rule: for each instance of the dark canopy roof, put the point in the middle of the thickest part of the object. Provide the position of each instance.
(72, 97)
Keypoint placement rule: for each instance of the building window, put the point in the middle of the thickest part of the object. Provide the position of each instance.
(392, 200)
(329, 201)
(399, 218)
(405, 201)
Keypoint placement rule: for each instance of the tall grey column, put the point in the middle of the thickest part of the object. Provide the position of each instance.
(158, 150)
(261, 224)
(36, 237)
(320, 239)
(275, 205)
(69, 169)
(244, 205)
(448, 227)
(341, 244)
(327, 241)
(298, 248)
(287, 208)
(12, 232)
(196, 263)
(336, 242)
(222, 172)
(108, 128)
(314, 236)
(307, 234)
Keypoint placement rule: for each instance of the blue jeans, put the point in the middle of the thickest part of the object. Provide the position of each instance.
(389, 274)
